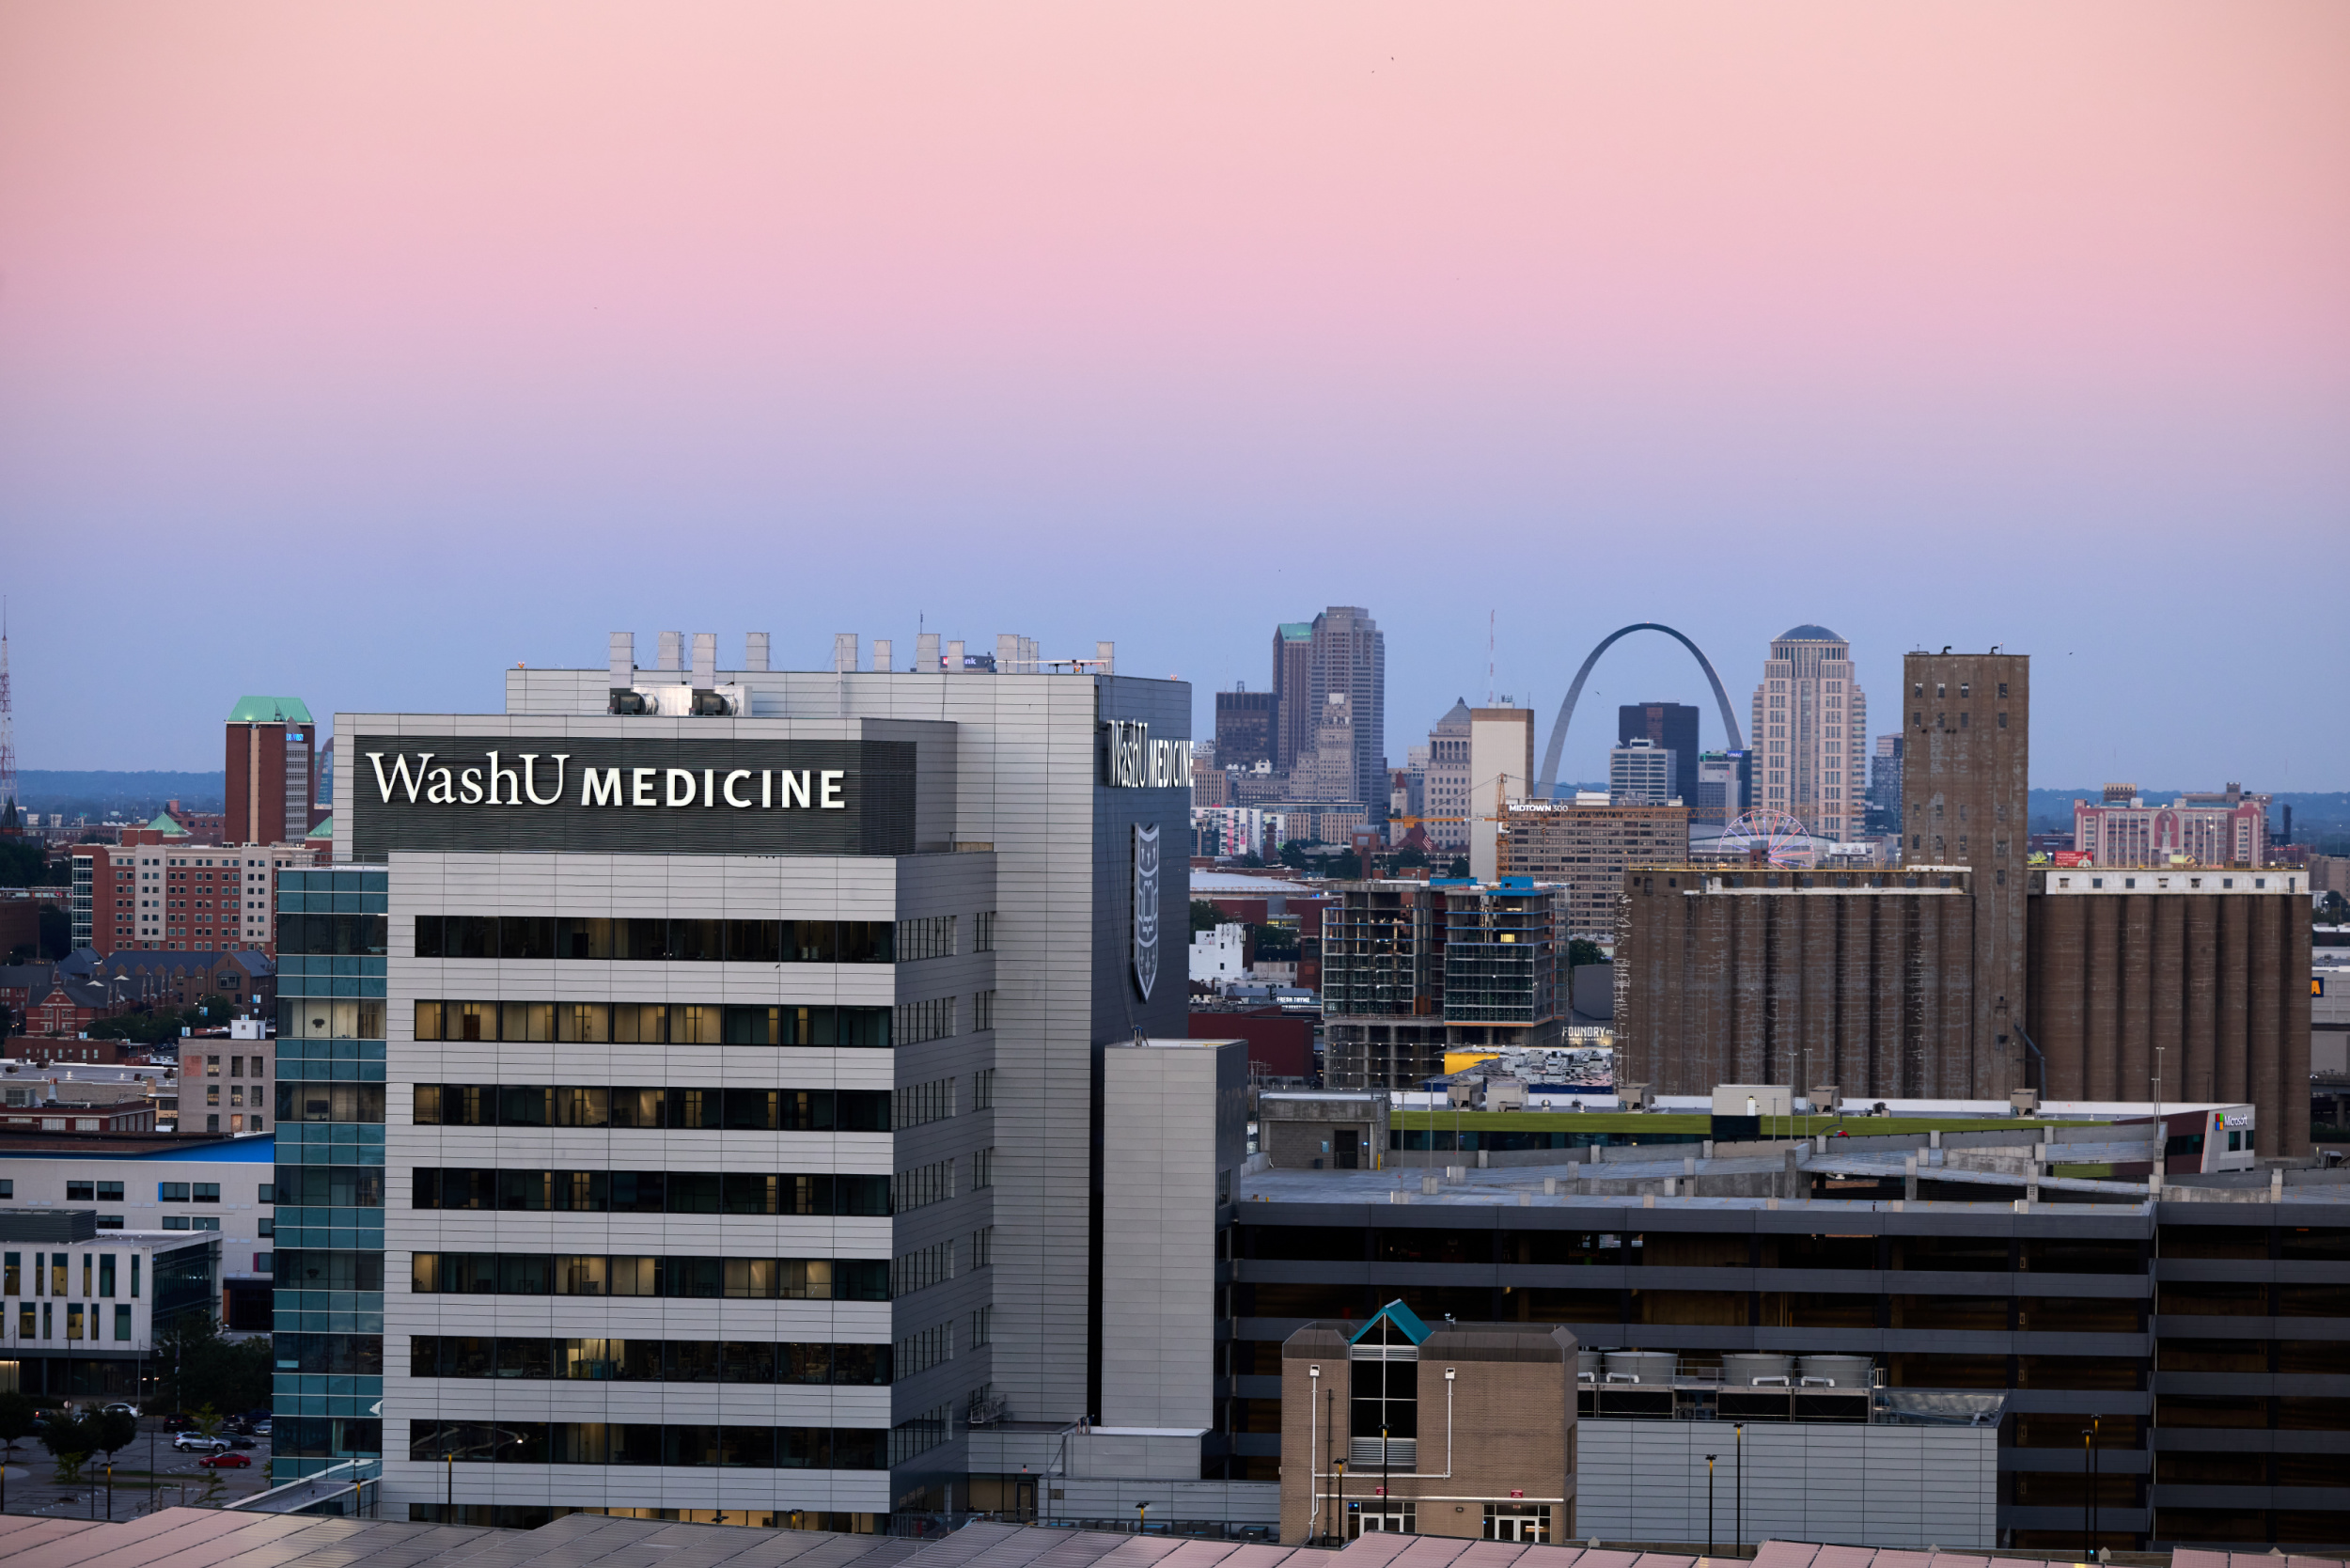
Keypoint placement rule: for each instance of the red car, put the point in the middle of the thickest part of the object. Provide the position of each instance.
(229, 1460)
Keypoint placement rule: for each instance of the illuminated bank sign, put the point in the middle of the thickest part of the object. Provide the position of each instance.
(1131, 760)
(624, 795)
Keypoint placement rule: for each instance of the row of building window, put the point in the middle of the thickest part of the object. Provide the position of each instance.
(43, 1324)
(919, 1105)
(652, 1024)
(51, 1274)
(745, 1361)
(651, 1192)
(921, 1268)
(922, 1186)
(754, 1110)
(930, 937)
(679, 941)
(677, 1278)
(755, 1447)
(309, 1102)
(316, 1186)
(930, 1019)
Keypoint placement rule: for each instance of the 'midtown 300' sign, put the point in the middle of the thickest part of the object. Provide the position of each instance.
(1131, 759)
(631, 796)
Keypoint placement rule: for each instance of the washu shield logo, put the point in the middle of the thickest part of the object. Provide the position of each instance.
(1145, 909)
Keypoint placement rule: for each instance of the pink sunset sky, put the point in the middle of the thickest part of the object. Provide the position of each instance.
(356, 351)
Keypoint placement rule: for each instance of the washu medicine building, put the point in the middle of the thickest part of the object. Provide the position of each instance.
(700, 1077)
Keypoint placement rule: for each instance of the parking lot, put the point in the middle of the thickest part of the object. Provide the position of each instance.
(172, 1479)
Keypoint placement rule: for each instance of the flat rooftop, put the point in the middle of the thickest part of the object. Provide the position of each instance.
(207, 1538)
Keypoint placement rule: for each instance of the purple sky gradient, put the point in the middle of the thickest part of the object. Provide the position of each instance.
(356, 351)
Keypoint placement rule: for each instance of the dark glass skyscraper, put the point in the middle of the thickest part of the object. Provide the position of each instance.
(1669, 727)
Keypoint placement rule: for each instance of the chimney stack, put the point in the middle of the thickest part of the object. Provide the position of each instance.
(844, 653)
(705, 660)
(623, 658)
(754, 650)
(881, 655)
(672, 650)
(926, 651)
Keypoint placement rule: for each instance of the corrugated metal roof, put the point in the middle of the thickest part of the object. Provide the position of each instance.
(207, 1538)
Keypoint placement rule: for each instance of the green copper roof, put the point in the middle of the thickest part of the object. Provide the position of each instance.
(326, 829)
(165, 823)
(271, 710)
(1298, 631)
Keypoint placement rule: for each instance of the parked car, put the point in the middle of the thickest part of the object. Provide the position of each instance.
(241, 1442)
(224, 1461)
(179, 1421)
(119, 1408)
(196, 1442)
(261, 1428)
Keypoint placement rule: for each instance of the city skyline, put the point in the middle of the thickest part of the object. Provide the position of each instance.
(1778, 308)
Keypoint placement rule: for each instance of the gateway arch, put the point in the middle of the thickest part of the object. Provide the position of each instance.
(1549, 780)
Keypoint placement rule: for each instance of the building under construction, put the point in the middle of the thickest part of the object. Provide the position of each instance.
(1411, 969)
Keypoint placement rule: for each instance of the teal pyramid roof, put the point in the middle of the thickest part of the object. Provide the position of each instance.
(1406, 1322)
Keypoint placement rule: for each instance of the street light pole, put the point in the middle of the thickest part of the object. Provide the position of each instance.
(2093, 1467)
(1709, 1508)
(1738, 1484)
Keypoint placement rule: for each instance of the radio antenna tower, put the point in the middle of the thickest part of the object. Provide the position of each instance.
(8, 805)
(1490, 616)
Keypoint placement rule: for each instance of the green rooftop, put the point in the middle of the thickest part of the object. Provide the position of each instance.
(168, 825)
(326, 829)
(271, 710)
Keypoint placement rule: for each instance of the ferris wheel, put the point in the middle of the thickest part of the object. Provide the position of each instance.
(1782, 839)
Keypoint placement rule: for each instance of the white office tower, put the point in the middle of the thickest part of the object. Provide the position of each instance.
(745, 1062)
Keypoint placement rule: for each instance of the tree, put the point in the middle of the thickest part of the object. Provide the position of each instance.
(24, 865)
(200, 1370)
(16, 1424)
(1204, 916)
(1411, 856)
(69, 1441)
(111, 1431)
(56, 933)
(1293, 854)
(1580, 952)
(1460, 866)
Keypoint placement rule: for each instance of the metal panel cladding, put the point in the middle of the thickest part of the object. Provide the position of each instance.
(623, 796)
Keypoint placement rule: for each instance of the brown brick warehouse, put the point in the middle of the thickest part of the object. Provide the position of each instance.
(1968, 974)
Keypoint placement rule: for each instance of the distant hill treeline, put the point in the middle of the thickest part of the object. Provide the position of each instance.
(97, 793)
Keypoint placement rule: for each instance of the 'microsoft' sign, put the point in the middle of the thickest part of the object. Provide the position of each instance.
(620, 795)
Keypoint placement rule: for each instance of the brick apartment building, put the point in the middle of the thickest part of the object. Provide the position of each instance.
(1586, 848)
